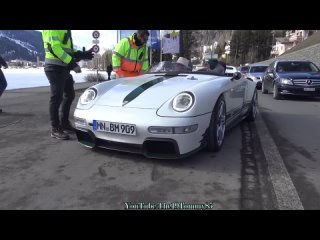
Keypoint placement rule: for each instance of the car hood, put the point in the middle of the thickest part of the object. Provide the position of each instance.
(148, 92)
(299, 75)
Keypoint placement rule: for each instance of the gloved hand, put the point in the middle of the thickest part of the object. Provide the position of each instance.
(74, 66)
(78, 56)
(88, 54)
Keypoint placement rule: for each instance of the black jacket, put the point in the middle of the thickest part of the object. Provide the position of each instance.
(2, 62)
(109, 68)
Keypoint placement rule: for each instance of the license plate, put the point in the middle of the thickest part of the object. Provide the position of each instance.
(309, 89)
(113, 127)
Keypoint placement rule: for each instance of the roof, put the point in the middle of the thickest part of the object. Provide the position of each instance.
(286, 60)
(312, 40)
(258, 64)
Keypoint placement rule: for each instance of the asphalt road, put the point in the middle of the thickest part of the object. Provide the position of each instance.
(294, 126)
(39, 172)
(270, 164)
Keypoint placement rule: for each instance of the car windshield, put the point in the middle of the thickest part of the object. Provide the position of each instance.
(296, 67)
(168, 66)
(244, 69)
(256, 69)
(176, 68)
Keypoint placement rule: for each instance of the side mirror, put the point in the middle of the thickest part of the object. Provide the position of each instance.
(236, 76)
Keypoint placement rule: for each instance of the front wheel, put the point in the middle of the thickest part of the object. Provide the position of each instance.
(276, 94)
(217, 126)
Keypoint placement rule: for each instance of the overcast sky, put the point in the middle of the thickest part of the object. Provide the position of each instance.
(83, 38)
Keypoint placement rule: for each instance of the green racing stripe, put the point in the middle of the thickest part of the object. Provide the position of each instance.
(139, 90)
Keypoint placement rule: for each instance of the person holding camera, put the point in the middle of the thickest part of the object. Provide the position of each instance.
(3, 81)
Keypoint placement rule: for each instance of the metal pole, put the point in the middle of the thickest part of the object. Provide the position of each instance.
(160, 48)
(117, 36)
(97, 69)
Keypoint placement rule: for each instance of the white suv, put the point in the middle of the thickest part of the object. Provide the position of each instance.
(230, 70)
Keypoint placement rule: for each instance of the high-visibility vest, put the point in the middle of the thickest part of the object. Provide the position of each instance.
(130, 59)
(58, 47)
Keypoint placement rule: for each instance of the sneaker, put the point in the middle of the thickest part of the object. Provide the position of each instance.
(59, 134)
(68, 128)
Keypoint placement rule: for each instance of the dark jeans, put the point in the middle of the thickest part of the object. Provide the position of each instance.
(62, 94)
(109, 73)
(3, 82)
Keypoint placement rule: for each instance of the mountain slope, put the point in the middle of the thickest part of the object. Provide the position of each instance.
(21, 44)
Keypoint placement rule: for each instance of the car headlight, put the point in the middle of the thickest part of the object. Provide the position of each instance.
(183, 102)
(88, 95)
(252, 77)
(286, 81)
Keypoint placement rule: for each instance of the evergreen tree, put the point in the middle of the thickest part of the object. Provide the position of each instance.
(107, 57)
(219, 50)
(235, 47)
(187, 40)
(249, 46)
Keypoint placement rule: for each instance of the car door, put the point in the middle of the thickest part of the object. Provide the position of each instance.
(235, 97)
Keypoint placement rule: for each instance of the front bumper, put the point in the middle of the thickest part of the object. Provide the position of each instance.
(299, 90)
(153, 145)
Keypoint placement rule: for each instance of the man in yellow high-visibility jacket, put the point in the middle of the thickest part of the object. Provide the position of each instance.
(130, 56)
(60, 59)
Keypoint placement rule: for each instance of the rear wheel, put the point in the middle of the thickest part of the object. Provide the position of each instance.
(217, 126)
(252, 112)
(263, 89)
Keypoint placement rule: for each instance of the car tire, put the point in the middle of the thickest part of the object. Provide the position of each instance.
(263, 89)
(259, 85)
(217, 126)
(252, 112)
(276, 94)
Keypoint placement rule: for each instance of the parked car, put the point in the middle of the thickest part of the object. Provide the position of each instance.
(255, 73)
(113, 75)
(230, 70)
(164, 114)
(244, 70)
(284, 77)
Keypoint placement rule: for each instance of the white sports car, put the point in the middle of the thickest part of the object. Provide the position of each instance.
(164, 114)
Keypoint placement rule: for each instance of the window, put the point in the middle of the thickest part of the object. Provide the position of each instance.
(255, 69)
(296, 67)
(244, 69)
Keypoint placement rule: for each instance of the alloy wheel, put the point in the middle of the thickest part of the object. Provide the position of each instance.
(221, 123)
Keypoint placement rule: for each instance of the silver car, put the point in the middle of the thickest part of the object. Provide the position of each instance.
(164, 114)
(255, 73)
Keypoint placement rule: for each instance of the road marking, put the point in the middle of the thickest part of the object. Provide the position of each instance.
(287, 197)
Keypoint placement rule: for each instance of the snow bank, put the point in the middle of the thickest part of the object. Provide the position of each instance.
(35, 77)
